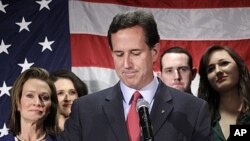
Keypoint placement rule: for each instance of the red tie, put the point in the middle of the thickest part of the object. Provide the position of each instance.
(133, 119)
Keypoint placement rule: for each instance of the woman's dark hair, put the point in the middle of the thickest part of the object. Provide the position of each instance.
(79, 85)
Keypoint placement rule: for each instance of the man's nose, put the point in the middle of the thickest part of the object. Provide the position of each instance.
(127, 61)
(177, 75)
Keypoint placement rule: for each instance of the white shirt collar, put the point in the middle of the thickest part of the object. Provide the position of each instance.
(147, 92)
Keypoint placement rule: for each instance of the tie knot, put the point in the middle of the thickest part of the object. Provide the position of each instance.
(136, 96)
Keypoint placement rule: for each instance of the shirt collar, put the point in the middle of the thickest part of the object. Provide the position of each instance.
(147, 92)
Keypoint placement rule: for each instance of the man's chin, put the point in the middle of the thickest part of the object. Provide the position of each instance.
(179, 88)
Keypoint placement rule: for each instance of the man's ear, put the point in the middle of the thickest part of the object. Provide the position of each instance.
(194, 72)
(156, 51)
(158, 73)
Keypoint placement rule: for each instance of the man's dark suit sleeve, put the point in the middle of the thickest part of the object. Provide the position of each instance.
(203, 132)
(72, 126)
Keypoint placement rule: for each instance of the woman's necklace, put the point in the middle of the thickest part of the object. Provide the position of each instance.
(40, 139)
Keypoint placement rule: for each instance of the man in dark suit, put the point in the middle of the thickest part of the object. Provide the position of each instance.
(175, 116)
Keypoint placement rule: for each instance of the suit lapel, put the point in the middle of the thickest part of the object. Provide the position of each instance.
(162, 107)
(113, 110)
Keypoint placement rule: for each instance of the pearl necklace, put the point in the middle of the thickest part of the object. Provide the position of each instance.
(40, 139)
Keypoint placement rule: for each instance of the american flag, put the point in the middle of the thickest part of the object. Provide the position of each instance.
(32, 34)
(72, 34)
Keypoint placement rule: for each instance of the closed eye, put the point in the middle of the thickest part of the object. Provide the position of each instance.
(136, 52)
(118, 53)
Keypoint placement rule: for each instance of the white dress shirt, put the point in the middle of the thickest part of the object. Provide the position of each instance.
(147, 92)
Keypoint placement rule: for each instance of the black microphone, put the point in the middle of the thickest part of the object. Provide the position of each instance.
(142, 108)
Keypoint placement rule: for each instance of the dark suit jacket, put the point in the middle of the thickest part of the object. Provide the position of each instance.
(175, 116)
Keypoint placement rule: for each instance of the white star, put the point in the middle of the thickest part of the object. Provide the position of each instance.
(26, 65)
(46, 44)
(44, 4)
(3, 47)
(4, 89)
(2, 7)
(4, 131)
(23, 25)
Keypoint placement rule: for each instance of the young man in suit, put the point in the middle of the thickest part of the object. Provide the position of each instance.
(175, 116)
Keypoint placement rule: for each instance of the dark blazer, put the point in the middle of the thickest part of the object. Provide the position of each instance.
(175, 116)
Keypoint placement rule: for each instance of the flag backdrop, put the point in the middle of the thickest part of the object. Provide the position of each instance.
(32, 34)
(72, 34)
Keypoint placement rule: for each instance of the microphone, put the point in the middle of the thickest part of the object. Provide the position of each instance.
(142, 108)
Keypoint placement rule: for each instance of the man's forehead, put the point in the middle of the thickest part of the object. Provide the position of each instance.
(176, 55)
(175, 58)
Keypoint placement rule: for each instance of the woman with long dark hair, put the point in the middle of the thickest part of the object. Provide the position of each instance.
(224, 84)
